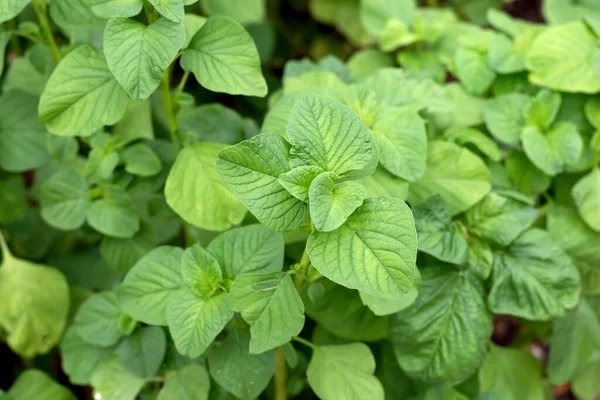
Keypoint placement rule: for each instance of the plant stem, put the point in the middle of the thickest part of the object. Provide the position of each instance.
(168, 102)
(4, 250)
(303, 265)
(280, 376)
(40, 10)
(304, 342)
(14, 40)
(183, 81)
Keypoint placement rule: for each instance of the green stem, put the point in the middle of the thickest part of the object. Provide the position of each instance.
(6, 254)
(183, 81)
(280, 376)
(40, 10)
(301, 270)
(14, 40)
(304, 342)
(168, 103)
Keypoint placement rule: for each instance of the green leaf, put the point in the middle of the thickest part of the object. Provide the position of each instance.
(341, 311)
(196, 193)
(143, 351)
(100, 321)
(575, 340)
(533, 279)
(504, 117)
(381, 306)
(122, 254)
(77, 20)
(223, 57)
(141, 160)
(114, 214)
(243, 374)
(170, 9)
(402, 142)
(192, 24)
(34, 303)
(443, 337)
(200, 271)
(211, 123)
(137, 54)
(473, 70)
(436, 232)
(500, 219)
(526, 177)
(116, 8)
(331, 204)
(111, 380)
(466, 136)
(11, 8)
(13, 199)
(249, 249)
(251, 169)
(376, 14)
(542, 109)
(82, 95)
(63, 200)
(326, 134)
(35, 384)
(80, 358)
(353, 364)
(272, 307)
(513, 374)
(151, 282)
(457, 175)
(564, 57)
(298, 180)
(383, 184)
(586, 194)
(194, 322)
(560, 146)
(189, 383)
(22, 137)
(245, 12)
(136, 123)
(374, 250)
(581, 242)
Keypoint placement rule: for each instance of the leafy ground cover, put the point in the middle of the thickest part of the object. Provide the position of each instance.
(334, 199)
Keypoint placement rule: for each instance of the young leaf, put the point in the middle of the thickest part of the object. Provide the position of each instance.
(326, 134)
(114, 214)
(504, 117)
(331, 204)
(200, 271)
(533, 279)
(352, 364)
(542, 110)
(195, 191)
(139, 159)
(374, 250)
(100, 321)
(143, 351)
(512, 373)
(272, 307)
(22, 137)
(35, 384)
(436, 232)
(298, 180)
(251, 169)
(243, 374)
(402, 142)
(247, 250)
(151, 282)
(170, 9)
(116, 8)
(34, 303)
(586, 194)
(80, 358)
(223, 57)
(483, 143)
(137, 54)
(457, 175)
(82, 95)
(442, 338)
(473, 70)
(111, 380)
(189, 383)
(63, 200)
(194, 322)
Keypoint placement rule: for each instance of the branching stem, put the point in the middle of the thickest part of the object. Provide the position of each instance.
(40, 10)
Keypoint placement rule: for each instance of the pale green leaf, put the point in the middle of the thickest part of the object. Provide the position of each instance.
(331, 204)
(82, 95)
(192, 24)
(194, 323)
(136, 123)
(542, 109)
(111, 380)
(80, 358)
(272, 307)
(374, 250)
(13, 199)
(581, 242)
(63, 200)
(383, 184)
(298, 180)
(586, 194)
(151, 282)
(250, 249)
(200, 271)
(11, 8)
(344, 372)
(114, 214)
(243, 374)
(211, 123)
(470, 136)
(456, 174)
(189, 383)
(504, 116)
(375, 14)
(473, 70)
(141, 160)
(251, 169)
(382, 306)
(35, 384)
(137, 54)
(116, 8)
(533, 279)
(223, 57)
(122, 254)
(443, 337)
(170, 9)
(143, 351)
(245, 12)
(22, 136)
